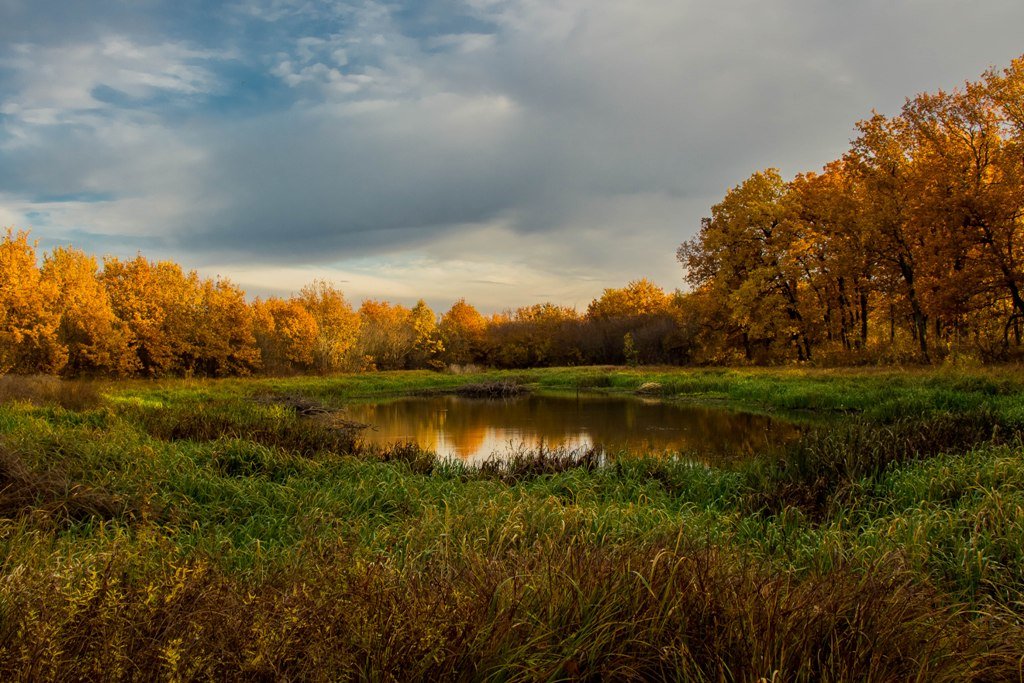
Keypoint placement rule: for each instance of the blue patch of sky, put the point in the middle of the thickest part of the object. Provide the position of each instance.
(253, 46)
(245, 79)
(246, 89)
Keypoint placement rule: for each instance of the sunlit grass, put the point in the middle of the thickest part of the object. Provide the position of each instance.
(188, 529)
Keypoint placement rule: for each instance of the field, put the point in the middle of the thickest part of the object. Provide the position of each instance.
(232, 529)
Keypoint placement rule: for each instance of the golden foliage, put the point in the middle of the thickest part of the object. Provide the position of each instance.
(462, 331)
(336, 323)
(639, 297)
(29, 317)
(286, 333)
(96, 340)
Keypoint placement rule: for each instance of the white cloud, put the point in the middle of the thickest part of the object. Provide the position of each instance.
(59, 84)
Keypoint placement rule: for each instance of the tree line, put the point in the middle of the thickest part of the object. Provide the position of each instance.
(69, 314)
(908, 247)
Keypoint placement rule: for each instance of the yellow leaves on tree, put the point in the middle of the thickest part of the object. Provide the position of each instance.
(740, 253)
(29, 317)
(160, 307)
(96, 340)
(639, 297)
(392, 337)
(286, 333)
(225, 336)
(337, 324)
(462, 331)
(385, 335)
(427, 347)
(539, 334)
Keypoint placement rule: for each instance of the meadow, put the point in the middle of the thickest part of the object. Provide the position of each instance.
(239, 529)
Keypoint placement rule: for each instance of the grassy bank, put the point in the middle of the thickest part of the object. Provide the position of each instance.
(880, 394)
(196, 529)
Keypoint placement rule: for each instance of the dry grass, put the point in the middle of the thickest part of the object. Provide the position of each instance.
(48, 390)
(50, 496)
(561, 611)
(524, 463)
(417, 458)
(292, 431)
(495, 389)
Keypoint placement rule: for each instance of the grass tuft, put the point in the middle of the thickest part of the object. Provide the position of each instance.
(525, 463)
(492, 389)
(51, 496)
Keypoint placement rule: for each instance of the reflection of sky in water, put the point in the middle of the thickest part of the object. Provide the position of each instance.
(497, 440)
(473, 429)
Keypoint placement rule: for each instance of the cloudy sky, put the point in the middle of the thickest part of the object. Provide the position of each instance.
(509, 151)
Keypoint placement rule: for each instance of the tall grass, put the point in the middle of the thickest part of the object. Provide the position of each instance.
(818, 470)
(187, 531)
(50, 496)
(46, 390)
(560, 611)
(273, 426)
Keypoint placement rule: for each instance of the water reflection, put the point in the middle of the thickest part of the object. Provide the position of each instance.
(472, 429)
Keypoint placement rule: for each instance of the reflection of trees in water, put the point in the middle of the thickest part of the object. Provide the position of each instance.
(467, 425)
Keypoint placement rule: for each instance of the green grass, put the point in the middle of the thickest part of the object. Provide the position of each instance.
(182, 530)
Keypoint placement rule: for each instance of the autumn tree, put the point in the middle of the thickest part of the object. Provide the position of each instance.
(427, 347)
(29, 316)
(633, 318)
(160, 306)
(225, 340)
(96, 340)
(639, 297)
(287, 335)
(829, 247)
(742, 256)
(386, 335)
(462, 331)
(535, 335)
(970, 194)
(337, 324)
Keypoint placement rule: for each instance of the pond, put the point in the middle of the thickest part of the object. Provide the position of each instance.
(476, 429)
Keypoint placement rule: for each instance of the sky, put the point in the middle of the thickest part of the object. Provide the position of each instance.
(506, 151)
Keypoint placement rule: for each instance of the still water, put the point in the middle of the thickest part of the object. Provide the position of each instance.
(475, 429)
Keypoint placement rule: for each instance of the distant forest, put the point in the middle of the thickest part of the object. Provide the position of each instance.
(910, 248)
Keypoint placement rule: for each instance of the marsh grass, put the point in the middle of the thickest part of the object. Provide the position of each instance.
(522, 463)
(50, 496)
(188, 532)
(818, 470)
(559, 611)
(242, 419)
(418, 459)
(47, 390)
(506, 388)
